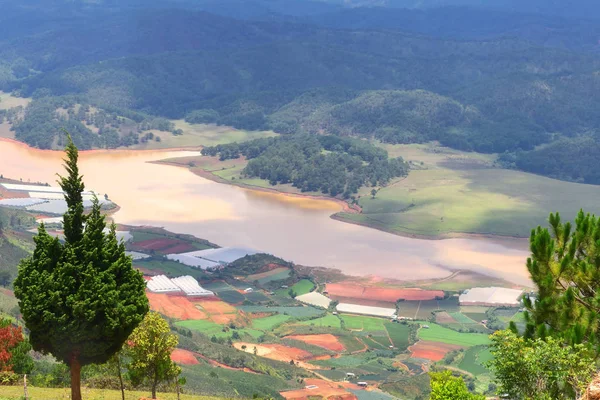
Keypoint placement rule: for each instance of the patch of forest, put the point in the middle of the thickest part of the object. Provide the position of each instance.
(328, 164)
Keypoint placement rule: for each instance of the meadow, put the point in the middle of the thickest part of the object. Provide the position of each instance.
(16, 392)
(437, 333)
(449, 191)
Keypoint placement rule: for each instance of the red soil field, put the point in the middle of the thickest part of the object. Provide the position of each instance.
(216, 307)
(326, 341)
(275, 351)
(352, 290)
(179, 248)
(444, 318)
(324, 389)
(177, 307)
(184, 357)
(433, 351)
(165, 246)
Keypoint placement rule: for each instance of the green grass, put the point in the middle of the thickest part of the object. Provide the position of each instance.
(328, 320)
(365, 324)
(294, 312)
(16, 392)
(399, 334)
(280, 276)
(472, 362)
(303, 286)
(351, 343)
(462, 319)
(461, 192)
(209, 328)
(437, 333)
(268, 323)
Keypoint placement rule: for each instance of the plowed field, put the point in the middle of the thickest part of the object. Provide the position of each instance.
(433, 351)
(326, 341)
(164, 246)
(216, 307)
(184, 357)
(274, 351)
(376, 293)
(323, 389)
(177, 307)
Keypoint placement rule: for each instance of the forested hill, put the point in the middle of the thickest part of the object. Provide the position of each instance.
(477, 79)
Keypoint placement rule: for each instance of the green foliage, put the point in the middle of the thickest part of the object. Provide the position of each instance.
(539, 369)
(565, 267)
(149, 347)
(80, 298)
(328, 164)
(437, 333)
(444, 386)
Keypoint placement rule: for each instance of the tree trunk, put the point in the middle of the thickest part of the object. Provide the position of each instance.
(154, 389)
(25, 387)
(120, 376)
(75, 378)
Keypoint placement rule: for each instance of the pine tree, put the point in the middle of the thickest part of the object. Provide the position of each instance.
(81, 298)
(565, 267)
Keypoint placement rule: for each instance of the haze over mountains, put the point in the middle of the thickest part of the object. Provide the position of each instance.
(496, 76)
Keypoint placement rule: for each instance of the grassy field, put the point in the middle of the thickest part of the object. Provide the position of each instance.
(8, 101)
(328, 320)
(399, 334)
(437, 333)
(301, 287)
(209, 328)
(268, 323)
(450, 191)
(473, 360)
(365, 324)
(16, 392)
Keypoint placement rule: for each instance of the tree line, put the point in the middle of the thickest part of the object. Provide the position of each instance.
(331, 165)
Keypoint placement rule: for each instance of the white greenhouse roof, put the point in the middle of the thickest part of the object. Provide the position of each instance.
(366, 310)
(162, 284)
(192, 261)
(136, 255)
(190, 286)
(223, 255)
(491, 296)
(22, 202)
(314, 299)
(36, 188)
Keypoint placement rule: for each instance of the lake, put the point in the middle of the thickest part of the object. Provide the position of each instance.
(296, 229)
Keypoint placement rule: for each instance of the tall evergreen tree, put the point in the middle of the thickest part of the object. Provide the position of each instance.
(81, 298)
(565, 267)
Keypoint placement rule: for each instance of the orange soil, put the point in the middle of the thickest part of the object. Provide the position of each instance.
(352, 290)
(223, 319)
(433, 351)
(265, 274)
(325, 389)
(444, 318)
(177, 307)
(216, 307)
(326, 341)
(270, 267)
(274, 351)
(184, 357)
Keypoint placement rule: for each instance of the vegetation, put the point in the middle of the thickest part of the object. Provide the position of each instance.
(326, 164)
(444, 386)
(437, 333)
(80, 298)
(150, 347)
(544, 369)
(14, 349)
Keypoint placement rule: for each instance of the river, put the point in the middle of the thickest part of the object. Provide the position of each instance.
(295, 229)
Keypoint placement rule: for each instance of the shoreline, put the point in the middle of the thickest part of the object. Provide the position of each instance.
(346, 208)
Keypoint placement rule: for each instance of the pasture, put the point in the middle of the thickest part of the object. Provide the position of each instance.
(437, 333)
(449, 191)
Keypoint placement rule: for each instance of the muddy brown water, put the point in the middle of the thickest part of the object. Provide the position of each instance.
(293, 228)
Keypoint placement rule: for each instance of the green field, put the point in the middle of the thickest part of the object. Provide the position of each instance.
(209, 328)
(303, 286)
(399, 334)
(455, 191)
(328, 320)
(473, 360)
(365, 324)
(437, 333)
(16, 392)
(462, 319)
(268, 323)
(294, 312)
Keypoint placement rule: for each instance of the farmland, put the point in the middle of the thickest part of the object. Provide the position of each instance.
(437, 333)
(449, 191)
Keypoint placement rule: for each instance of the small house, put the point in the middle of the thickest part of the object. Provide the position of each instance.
(362, 384)
(248, 290)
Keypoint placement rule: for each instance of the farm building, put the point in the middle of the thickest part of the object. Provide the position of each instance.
(366, 310)
(491, 297)
(162, 284)
(190, 286)
(211, 258)
(314, 299)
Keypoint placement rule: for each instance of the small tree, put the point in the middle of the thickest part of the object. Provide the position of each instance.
(14, 349)
(80, 299)
(539, 369)
(373, 193)
(444, 386)
(149, 348)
